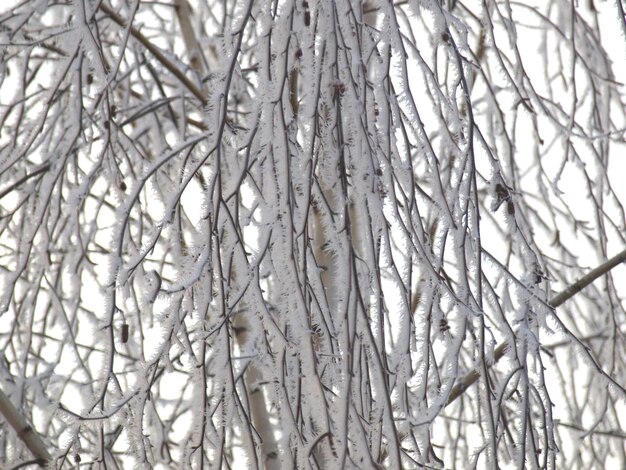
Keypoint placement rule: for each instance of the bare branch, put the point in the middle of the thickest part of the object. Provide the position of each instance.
(24, 430)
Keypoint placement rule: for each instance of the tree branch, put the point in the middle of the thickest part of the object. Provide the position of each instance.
(157, 53)
(24, 430)
(471, 377)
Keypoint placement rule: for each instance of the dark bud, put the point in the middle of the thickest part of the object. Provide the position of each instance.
(89, 79)
(510, 207)
(539, 276)
(316, 329)
(307, 13)
(340, 89)
(123, 186)
(124, 333)
(502, 194)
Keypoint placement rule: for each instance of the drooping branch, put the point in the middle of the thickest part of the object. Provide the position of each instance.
(471, 377)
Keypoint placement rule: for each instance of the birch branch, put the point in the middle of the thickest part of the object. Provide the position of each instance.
(471, 377)
(157, 53)
(24, 430)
